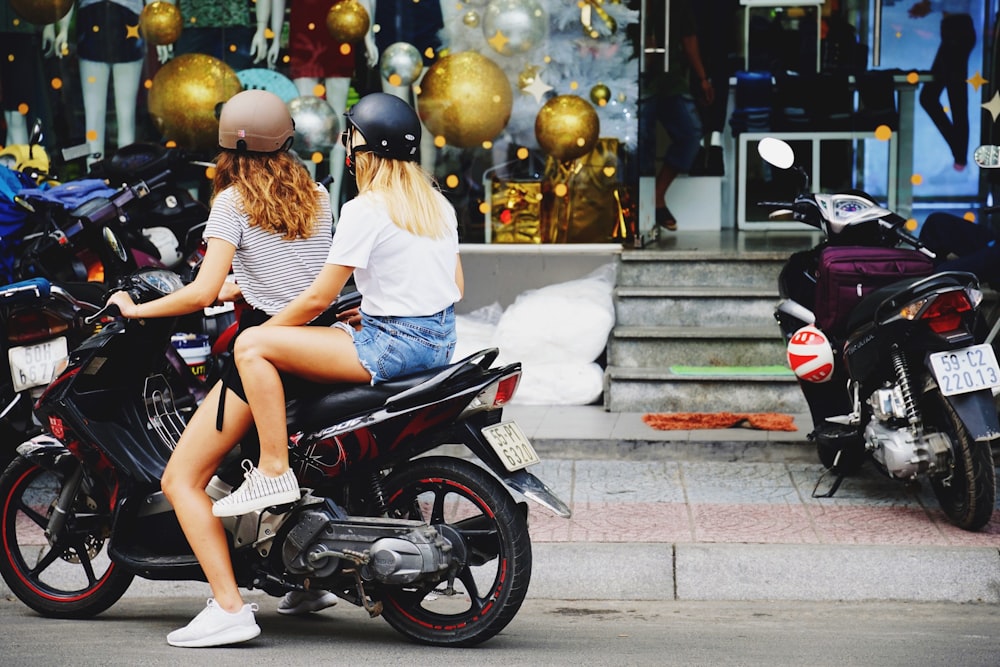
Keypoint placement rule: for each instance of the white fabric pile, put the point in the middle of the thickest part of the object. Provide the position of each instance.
(557, 332)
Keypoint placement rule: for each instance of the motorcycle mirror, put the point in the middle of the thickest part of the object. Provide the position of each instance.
(776, 152)
(37, 135)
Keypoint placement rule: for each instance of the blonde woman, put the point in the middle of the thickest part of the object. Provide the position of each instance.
(399, 239)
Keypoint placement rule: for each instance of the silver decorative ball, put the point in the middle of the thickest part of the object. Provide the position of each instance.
(316, 124)
(514, 26)
(401, 64)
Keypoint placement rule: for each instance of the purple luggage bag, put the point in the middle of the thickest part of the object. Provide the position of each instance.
(848, 273)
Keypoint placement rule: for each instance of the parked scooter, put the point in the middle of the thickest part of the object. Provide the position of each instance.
(436, 545)
(889, 354)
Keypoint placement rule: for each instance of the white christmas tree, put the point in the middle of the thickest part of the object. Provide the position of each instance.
(554, 47)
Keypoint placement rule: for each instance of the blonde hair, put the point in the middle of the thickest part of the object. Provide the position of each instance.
(409, 195)
(277, 193)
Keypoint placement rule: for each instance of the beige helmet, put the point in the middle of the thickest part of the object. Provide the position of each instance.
(256, 121)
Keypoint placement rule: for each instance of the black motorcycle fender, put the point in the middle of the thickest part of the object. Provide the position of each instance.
(521, 481)
(47, 452)
(978, 412)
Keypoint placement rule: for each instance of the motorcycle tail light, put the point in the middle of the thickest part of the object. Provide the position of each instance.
(505, 389)
(29, 326)
(95, 269)
(944, 313)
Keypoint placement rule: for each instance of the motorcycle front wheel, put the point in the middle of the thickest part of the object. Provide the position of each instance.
(966, 490)
(495, 549)
(68, 575)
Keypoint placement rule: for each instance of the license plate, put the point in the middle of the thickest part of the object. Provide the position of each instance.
(969, 369)
(511, 445)
(34, 365)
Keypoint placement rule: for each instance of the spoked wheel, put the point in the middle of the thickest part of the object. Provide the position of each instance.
(493, 547)
(967, 489)
(69, 575)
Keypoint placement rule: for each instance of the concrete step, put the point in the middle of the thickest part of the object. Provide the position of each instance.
(691, 306)
(660, 390)
(696, 268)
(661, 347)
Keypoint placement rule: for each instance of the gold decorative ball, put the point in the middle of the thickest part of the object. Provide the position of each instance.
(41, 12)
(183, 98)
(600, 94)
(348, 21)
(567, 127)
(160, 23)
(527, 76)
(466, 98)
(471, 18)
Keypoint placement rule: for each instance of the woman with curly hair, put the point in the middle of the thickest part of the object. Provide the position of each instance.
(272, 224)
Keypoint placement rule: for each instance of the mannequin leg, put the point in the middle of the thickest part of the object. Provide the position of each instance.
(336, 94)
(126, 81)
(428, 152)
(94, 78)
(17, 128)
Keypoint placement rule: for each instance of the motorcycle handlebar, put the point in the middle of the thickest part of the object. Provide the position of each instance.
(109, 310)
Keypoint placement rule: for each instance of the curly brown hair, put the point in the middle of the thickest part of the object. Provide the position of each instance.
(277, 193)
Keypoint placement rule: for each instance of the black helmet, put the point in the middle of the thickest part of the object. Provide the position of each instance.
(389, 125)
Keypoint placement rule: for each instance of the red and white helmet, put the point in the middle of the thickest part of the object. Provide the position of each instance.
(810, 354)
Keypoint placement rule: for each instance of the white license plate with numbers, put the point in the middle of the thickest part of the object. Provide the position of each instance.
(511, 445)
(34, 365)
(969, 369)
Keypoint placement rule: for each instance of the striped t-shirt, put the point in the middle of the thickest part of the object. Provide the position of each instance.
(270, 270)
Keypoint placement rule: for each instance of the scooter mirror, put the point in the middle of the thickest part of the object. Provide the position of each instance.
(37, 135)
(776, 152)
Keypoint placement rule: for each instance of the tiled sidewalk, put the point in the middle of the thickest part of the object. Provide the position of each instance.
(665, 496)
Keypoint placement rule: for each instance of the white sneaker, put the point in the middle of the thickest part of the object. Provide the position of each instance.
(257, 492)
(304, 602)
(215, 626)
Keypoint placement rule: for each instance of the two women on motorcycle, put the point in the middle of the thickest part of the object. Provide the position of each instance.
(398, 238)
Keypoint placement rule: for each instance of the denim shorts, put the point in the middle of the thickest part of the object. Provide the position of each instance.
(389, 347)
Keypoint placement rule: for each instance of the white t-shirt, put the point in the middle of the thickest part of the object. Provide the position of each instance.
(270, 270)
(398, 274)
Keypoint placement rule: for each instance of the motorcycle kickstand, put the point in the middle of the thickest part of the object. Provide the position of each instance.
(836, 483)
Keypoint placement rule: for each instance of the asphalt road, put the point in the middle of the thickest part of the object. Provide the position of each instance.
(545, 632)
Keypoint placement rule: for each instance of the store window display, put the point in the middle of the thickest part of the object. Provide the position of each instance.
(223, 29)
(316, 59)
(110, 51)
(416, 22)
(20, 71)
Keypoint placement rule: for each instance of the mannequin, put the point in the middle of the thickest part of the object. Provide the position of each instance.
(110, 51)
(416, 23)
(221, 29)
(20, 72)
(313, 57)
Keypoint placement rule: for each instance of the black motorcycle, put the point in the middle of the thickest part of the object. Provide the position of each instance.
(436, 545)
(909, 382)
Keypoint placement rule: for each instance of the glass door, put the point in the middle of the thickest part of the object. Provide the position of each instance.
(946, 36)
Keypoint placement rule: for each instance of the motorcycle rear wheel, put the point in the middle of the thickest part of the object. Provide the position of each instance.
(72, 577)
(967, 491)
(493, 580)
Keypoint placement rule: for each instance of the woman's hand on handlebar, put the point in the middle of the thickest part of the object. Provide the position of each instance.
(126, 306)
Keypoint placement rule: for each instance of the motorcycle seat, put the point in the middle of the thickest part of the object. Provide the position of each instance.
(321, 405)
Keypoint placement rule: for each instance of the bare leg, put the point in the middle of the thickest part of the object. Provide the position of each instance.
(194, 461)
(320, 354)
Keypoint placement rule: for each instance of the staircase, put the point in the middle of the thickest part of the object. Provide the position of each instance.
(695, 332)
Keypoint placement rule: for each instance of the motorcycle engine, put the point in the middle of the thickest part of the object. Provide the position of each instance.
(901, 453)
(389, 551)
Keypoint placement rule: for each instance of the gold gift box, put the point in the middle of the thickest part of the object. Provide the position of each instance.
(516, 212)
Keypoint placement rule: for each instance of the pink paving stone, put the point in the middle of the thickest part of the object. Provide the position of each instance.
(763, 524)
(860, 524)
(615, 522)
(988, 536)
